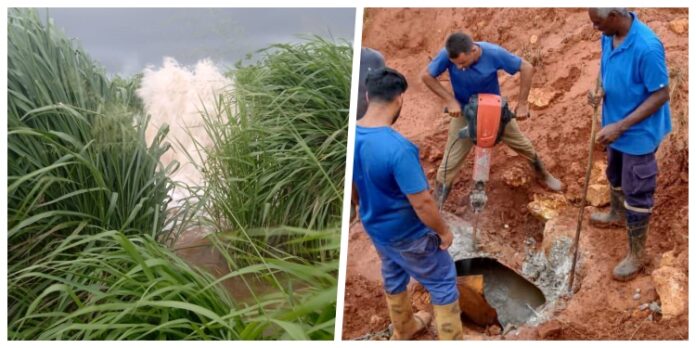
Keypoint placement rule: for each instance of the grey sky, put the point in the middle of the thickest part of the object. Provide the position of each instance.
(125, 40)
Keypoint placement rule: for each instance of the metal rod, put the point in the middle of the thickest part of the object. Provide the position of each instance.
(588, 172)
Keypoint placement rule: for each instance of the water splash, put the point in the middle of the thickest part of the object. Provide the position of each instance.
(177, 95)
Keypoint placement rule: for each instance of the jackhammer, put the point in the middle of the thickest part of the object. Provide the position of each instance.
(486, 116)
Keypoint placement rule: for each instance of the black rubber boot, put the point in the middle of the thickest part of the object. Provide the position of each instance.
(615, 217)
(634, 262)
(545, 177)
(441, 193)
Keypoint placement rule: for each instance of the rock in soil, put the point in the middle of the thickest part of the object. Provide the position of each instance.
(494, 330)
(541, 98)
(679, 26)
(670, 284)
(550, 330)
(557, 230)
(517, 177)
(546, 206)
(598, 195)
(654, 307)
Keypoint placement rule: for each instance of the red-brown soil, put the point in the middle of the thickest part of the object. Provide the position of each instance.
(566, 58)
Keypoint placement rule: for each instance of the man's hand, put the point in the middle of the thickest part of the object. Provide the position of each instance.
(446, 239)
(522, 111)
(453, 108)
(609, 134)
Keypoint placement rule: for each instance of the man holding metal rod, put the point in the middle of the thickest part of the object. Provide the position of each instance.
(635, 119)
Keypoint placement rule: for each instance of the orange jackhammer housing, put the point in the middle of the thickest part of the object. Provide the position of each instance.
(486, 115)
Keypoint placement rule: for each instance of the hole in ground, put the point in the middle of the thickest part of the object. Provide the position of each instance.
(490, 292)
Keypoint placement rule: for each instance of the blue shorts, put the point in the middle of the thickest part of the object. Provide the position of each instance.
(423, 260)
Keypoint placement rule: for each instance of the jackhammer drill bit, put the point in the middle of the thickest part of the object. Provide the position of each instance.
(473, 240)
(477, 199)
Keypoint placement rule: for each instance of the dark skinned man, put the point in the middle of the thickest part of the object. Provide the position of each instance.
(635, 119)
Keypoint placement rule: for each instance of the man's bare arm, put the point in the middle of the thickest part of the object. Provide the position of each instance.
(434, 85)
(526, 74)
(426, 209)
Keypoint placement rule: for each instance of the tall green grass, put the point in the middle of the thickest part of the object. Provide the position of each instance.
(110, 286)
(76, 143)
(278, 160)
(280, 139)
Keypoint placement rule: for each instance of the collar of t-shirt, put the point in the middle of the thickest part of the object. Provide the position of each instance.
(630, 37)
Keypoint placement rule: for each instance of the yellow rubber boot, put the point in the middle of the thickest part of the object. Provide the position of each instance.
(405, 323)
(449, 325)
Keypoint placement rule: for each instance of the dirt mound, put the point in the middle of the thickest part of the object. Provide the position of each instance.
(565, 51)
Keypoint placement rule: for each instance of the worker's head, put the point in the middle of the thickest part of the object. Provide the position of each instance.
(461, 50)
(385, 88)
(607, 19)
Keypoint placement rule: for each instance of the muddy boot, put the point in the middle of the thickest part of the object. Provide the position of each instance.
(634, 262)
(441, 193)
(405, 323)
(449, 324)
(616, 216)
(545, 177)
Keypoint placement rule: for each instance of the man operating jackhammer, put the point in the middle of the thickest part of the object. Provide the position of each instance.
(635, 119)
(400, 215)
(473, 68)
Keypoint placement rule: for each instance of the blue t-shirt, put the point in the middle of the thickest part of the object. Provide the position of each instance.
(630, 74)
(386, 168)
(480, 77)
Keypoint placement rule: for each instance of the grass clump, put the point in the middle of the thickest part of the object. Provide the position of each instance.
(280, 139)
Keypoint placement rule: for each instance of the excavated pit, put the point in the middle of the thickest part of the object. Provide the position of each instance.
(493, 290)
(512, 298)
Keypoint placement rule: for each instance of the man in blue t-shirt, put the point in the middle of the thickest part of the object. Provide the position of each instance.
(635, 119)
(473, 68)
(400, 215)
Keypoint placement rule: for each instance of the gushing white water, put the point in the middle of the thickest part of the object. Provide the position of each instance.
(177, 95)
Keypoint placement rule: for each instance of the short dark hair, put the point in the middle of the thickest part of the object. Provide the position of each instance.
(385, 84)
(458, 43)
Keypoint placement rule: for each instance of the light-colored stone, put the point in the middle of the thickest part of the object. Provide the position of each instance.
(668, 259)
(679, 25)
(654, 307)
(598, 190)
(557, 230)
(517, 177)
(533, 39)
(541, 97)
(598, 175)
(671, 286)
(598, 195)
(547, 206)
